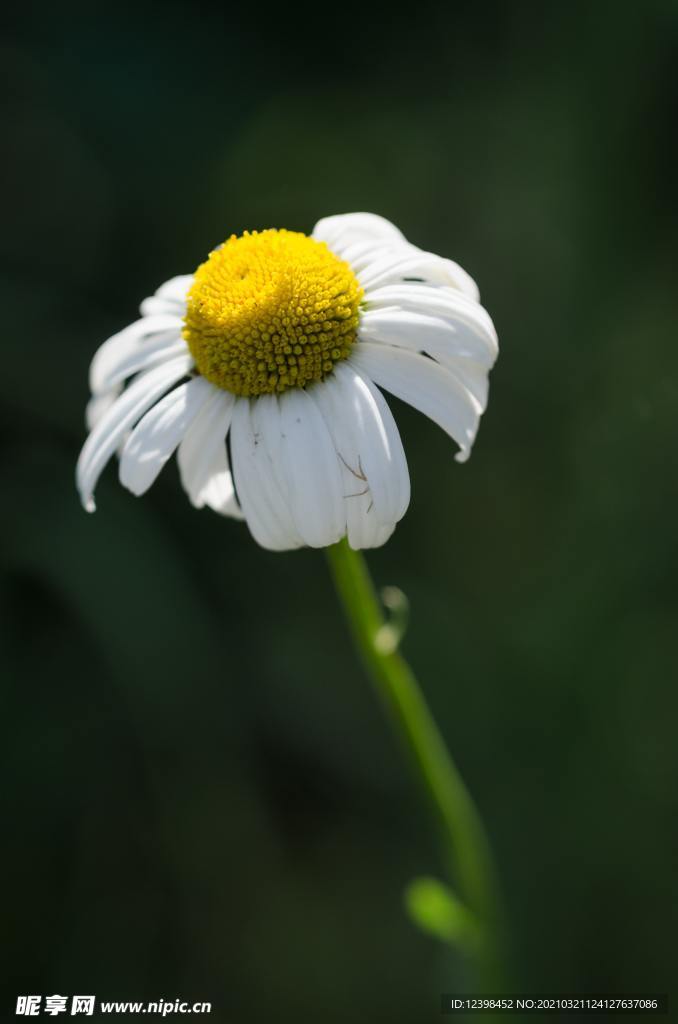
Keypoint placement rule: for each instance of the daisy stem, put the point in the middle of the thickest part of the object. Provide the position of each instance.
(465, 845)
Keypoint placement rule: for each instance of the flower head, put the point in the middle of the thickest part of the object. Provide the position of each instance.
(263, 371)
(271, 311)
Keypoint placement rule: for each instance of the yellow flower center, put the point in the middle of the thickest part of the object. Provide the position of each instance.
(269, 311)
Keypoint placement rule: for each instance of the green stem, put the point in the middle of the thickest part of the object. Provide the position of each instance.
(465, 845)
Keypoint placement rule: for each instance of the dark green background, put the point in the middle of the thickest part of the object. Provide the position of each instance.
(200, 795)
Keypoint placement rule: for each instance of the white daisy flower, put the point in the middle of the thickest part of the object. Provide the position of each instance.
(263, 371)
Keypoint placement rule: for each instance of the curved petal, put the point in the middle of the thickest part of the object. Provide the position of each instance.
(122, 415)
(380, 254)
(157, 435)
(424, 384)
(361, 254)
(311, 470)
(398, 263)
(444, 303)
(395, 447)
(453, 345)
(155, 351)
(344, 229)
(372, 450)
(267, 426)
(362, 526)
(375, 479)
(261, 502)
(98, 405)
(219, 493)
(153, 306)
(470, 374)
(202, 457)
(170, 297)
(436, 335)
(124, 353)
(176, 289)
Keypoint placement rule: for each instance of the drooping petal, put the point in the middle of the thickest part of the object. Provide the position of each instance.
(371, 446)
(443, 303)
(380, 254)
(122, 415)
(395, 448)
(425, 385)
(362, 526)
(373, 467)
(470, 374)
(395, 264)
(219, 493)
(454, 345)
(423, 333)
(203, 460)
(98, 405)
(344, 229)
(170, 297)
(311, 469)
(158, 434)
(267, 426)
(151, 339)
(265, 513)
(176, 289)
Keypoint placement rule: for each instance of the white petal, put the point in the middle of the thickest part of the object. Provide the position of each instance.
(344, 229)
(203, 459)
(347, 403)
(395, 447)
(438, 336)
(469, 317)
(157, 435)
(397, 263)
(267, 426)
(155, 350)
(378, 249)
(219, 494)
(153, 306)
(120, 356)
(122, 415)
(362, 526)
(363, 254)
(451, 344)
(176, 289)
(370, 445)
(98, 405)
(265, 513)
(424, 384)
(311, 469)
(170, 297)
(470, 374)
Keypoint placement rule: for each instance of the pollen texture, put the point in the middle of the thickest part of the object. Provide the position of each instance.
(269, 311)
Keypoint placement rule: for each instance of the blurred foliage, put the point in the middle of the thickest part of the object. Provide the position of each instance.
(200, 797)
(436, 910)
